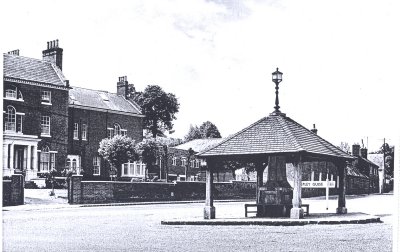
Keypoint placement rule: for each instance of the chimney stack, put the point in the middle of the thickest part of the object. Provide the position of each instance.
(122, 86)
(14, 52)
(314, 130)
(53, 53)
(356, 150)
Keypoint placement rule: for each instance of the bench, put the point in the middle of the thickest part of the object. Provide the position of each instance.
(246, 206)
(247, 211)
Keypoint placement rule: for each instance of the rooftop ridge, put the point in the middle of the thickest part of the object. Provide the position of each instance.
(289, 132)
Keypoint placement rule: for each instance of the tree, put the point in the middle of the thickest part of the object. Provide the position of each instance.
(159, 108)
(344, 146)
(152, 148)
(388, 152)
(194, 133)
(117, 151)
(209, 130)
(206, 130)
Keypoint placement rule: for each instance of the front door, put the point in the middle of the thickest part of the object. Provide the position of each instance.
(19, 158)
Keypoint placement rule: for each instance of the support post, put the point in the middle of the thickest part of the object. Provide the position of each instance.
(341, 209)
(209, 209)
(297, 212)
(260, 171)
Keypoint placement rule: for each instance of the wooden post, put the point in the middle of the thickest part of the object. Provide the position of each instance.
(297, 212)
(260, 171)
(209, 209)
(342, 169)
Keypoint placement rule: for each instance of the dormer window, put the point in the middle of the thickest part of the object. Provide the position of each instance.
(12, 93)
(46, 97)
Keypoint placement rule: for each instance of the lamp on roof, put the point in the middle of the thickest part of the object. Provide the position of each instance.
(277, 78)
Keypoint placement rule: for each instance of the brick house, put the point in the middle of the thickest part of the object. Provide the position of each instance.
(182, 166)
(366, 167)
(35, 113)
(50, 125)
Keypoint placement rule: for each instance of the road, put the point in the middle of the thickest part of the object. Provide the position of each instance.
(137, 228)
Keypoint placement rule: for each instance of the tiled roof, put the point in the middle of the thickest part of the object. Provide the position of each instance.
(29, 69)
(95, 99)
(275, 134)
(352, 171)
(368, 161)
(199, 145)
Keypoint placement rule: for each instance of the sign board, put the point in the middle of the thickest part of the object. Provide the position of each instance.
(317, 184)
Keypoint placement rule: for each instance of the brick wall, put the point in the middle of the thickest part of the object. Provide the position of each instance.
(13, 191)
(86, 192)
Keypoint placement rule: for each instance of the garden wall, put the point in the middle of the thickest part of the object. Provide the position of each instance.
(96, 192)
(13, 191)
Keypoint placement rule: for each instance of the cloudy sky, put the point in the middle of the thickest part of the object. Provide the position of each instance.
(340, 59)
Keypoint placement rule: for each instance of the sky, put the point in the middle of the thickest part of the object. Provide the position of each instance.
(339, 58)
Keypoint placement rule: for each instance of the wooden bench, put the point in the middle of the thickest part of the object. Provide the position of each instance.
(247, 211)
(246, 206)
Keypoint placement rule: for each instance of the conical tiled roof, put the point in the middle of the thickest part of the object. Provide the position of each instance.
(274, 134)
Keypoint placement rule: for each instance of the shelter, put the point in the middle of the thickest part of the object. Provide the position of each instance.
(270, 143)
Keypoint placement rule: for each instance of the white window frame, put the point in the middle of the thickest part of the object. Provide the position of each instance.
(123, 132)
(117, 129)
(174, 161)
(13, 94)
(45, 123)
(84, 131)
(192, 163)
(198, 163)
(10, 120)
(110, 133)
(130, 169)
(46, 97)
(45, 160)
(96, 165)
(76, 131)
(183, 161)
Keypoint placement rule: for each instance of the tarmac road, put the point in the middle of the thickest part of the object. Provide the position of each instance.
(137, 228)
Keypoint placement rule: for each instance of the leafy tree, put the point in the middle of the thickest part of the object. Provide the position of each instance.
(117, 151)
(159, 108)
(388, 152)
(344, 146)
(194, 133)
(206, 130)
(152, 148)
(209, 130)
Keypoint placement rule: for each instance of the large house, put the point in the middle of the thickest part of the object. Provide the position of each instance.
(50, 125)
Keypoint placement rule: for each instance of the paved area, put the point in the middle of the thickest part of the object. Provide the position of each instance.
(138, 228)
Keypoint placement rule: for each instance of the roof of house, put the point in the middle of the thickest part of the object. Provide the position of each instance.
(29, 69)
(199, 145)
(368, 161)
(276, 133)
(101, 100)
(353, 171)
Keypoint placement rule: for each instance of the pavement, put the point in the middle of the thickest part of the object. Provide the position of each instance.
(40, 199)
